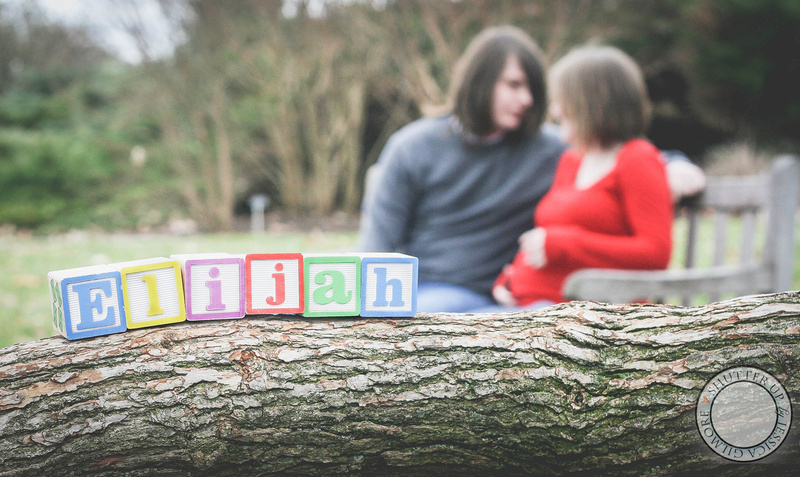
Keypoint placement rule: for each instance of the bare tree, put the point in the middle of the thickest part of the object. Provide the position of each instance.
(427, 37)
(312, 77)
(302, 104)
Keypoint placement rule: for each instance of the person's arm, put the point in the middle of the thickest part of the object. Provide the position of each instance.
(388, 204)
(684, 177)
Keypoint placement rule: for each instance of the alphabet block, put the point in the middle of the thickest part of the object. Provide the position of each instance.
(87, 302)
(332, 285)
(389, 284)
(153, 292)
(105, 299)
(274, 283)
(214, 286)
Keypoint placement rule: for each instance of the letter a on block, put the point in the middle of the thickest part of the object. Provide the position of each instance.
(153, 292)
(87, 302)
(389, 285)
(214, 288)
(274, 283)
(332, 285)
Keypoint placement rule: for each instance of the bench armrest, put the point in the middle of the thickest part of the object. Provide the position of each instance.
(625, 286)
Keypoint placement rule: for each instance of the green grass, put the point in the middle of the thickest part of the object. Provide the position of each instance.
(25, 261)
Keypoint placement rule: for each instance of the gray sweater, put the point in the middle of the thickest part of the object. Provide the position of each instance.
(457, 205)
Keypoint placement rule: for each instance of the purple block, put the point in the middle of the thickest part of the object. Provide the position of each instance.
(214, 288)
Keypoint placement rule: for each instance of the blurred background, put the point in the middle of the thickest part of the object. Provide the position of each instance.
(139, 128)
(158, 115)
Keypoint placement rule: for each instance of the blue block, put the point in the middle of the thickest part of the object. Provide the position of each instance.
(87, 302)
(389, 285)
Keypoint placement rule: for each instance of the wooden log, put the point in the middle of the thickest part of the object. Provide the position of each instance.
(574, 388)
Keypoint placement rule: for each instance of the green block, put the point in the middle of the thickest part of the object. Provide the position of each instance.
(332, 284)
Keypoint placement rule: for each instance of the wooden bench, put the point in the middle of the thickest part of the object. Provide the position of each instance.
(760, 209)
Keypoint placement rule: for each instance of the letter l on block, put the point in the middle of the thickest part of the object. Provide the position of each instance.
(153, 292)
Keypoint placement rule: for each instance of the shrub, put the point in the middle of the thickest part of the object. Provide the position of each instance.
(50, 177)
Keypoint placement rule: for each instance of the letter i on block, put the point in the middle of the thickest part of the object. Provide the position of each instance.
(213, 285)
(153, 292)
(87, 302)
(274, 283)
(332, 285)
(389, 284)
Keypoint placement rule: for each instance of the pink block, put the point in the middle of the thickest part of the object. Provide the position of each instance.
(214, 288)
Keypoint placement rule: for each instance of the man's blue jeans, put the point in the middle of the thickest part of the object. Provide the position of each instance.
(434, 297)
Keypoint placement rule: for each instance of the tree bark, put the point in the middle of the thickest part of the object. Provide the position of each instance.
(574, 388)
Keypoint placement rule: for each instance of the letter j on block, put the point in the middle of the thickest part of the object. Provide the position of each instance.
(389, 285)
(274, 283)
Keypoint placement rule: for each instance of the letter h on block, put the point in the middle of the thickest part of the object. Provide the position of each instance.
(153, 292)
(274, 283)
(214, 286)
(87, 302)
(389, 285)
(332, 285)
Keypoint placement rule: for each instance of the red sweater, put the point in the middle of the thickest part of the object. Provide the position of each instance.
(622, 221)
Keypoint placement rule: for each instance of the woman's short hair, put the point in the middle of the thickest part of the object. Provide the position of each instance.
(480, 67)
(603, 93)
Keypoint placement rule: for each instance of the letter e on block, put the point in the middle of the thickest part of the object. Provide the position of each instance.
(389, 285)
(153, 292)
(274, 283)
(332, 285)
(214, 287)
(87, 302)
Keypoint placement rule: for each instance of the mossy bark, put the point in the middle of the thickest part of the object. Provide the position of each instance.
(574, 388)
